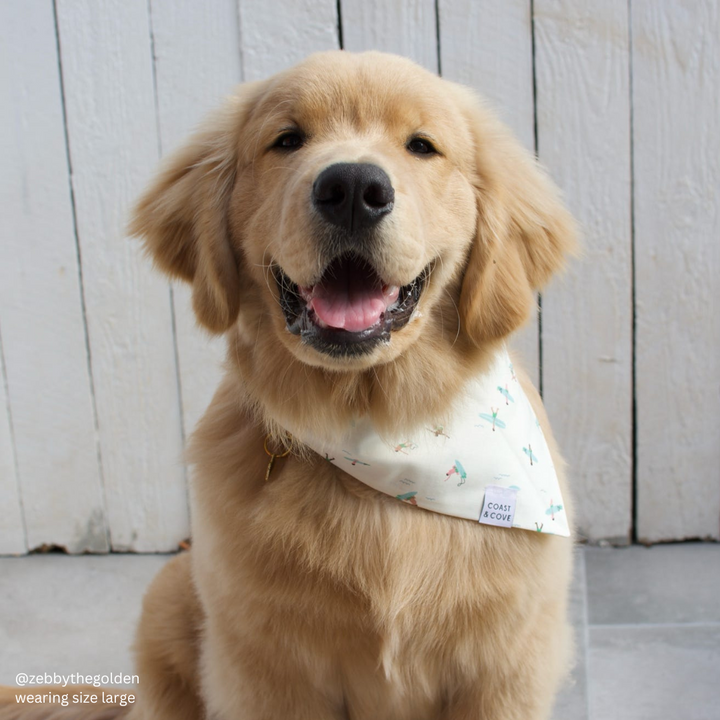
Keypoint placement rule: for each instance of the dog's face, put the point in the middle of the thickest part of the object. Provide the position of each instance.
(358, 205)
(342, 204)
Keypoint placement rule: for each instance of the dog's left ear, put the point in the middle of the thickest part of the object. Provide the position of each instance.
(182, 216)
(524, 233)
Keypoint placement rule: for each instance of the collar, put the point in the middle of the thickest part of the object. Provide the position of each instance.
(489, 463)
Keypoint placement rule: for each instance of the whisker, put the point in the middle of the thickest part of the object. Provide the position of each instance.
(266, 275)
(457, 313)
(374, 369)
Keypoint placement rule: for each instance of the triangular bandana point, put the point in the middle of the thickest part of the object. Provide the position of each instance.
(493, 442)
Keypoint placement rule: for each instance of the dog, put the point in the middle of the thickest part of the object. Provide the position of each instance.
(367, 236)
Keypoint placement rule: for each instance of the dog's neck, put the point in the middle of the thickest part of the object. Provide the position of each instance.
(420, 384)
(486, 457)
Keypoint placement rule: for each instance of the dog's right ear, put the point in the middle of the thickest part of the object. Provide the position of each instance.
(524, 232)
(182, 216)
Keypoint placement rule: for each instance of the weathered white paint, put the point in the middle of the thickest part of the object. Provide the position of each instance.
(676, 76)
(197, 63)
(405, 27)
(583, 118)
(110, 103)
(50, 478)
(488, 46)
(12, 532)
(40, 300)
(275, 35)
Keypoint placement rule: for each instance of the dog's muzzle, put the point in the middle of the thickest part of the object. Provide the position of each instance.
(350, 310)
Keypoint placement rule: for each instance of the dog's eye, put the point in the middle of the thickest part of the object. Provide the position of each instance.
(289, 141)
(420, 146)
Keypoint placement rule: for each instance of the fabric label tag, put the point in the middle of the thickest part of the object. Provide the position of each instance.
(499, 506)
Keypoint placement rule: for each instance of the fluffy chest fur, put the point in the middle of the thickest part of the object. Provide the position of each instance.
(365, 234)
(386, 601)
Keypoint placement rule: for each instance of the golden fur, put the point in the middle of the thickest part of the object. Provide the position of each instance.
(313, 596)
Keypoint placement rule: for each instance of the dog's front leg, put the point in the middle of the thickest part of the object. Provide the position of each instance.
(166, 647)
(499, 703)
(256, 678)
(520, 681)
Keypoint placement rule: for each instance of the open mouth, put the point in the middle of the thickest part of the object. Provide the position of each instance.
(350, 310)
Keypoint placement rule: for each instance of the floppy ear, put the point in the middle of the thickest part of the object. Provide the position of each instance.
(182, 216)
(524, 233)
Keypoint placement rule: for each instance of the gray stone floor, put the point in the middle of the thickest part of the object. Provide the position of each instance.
(647, 623)
(647, 628)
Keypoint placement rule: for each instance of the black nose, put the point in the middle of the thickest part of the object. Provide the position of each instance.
(353, 195)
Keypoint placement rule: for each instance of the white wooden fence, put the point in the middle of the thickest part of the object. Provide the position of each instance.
(103, 372)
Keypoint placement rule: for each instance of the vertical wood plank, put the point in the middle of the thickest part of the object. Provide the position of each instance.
(583, 118)
(276, 35)
(676, 142)
(12, 532)
(41, 313)
(488, 46)
(110, 102)
(406, 27)
(197, 62)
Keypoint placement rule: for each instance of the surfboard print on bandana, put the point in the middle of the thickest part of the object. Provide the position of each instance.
(447, 467)
(403, 447)
(493, 418)
(459, 470)
(408, 497)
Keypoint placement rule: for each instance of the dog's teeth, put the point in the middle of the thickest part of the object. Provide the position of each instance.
(390, 292)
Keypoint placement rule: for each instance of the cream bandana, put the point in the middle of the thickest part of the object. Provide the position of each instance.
(490, 464)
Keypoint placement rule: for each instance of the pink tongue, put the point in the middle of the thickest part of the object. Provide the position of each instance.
(350, 301)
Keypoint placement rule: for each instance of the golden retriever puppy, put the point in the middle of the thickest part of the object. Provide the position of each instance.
(366, 235)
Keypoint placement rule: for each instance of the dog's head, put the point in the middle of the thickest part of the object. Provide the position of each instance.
(351, 206)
